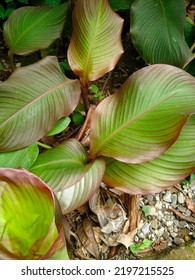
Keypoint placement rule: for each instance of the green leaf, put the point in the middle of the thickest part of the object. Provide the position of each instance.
(76, 195)
(60, 125)
(120, 5)
(29, 29)
(21, 158)
(78, 118)
(136, 248)
(62, 166)
(145, 117)
(65, 65)
(29, 109)
(2, 12)
(157, 31)
(95, 45)
(154, 176)
(23, 1)
(53, 2)
(27, 221)
(146, 210)
(189, 31)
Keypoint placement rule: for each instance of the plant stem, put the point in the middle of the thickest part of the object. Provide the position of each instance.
(189, 60)
(11, 60)
(133, 202)
(43, 145)
(84, 95)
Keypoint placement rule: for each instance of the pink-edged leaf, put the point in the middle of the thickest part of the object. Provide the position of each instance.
(27, 215)
(162, 172)
(73, 197)
(62, 166)
(95, 45)
(32, 100)
(29, 29)
(145, 117)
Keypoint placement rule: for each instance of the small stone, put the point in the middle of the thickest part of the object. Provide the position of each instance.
(176, 223)
(167, 196)
(182, 209)
(173, 234)
(161, 231)
(190, 194)
(141, 235)
(188, 213)
(178, 241)
(157, 197)
(165, 234)
(168, 223)
(150, 198)
(18, 64)
(146, 228)
(174, 199)
(154, 224)
(181, 198)
(158, 205)
(152, 211)
(136, 238)
(183, 224)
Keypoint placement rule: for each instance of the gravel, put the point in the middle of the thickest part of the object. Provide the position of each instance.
(161, 223)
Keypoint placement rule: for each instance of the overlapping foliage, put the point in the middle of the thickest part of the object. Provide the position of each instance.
(141, 138)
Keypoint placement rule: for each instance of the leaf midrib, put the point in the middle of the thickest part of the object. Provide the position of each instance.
(132, 120)
(31, 27)
(57, 162)
(91, 44)
(37, 99)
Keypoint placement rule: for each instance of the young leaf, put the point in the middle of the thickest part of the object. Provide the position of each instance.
(27, 221)
(145, 117)
(29, 109)
(60, 125)
(136, 248)
(78, 118)
(95, 45)
(74, 196)
(29, 29)
(154, 176)
(62, 166)
(157, 31)
(21, 158)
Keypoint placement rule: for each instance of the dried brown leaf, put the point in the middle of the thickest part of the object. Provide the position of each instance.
(87, 238)
(190, 204)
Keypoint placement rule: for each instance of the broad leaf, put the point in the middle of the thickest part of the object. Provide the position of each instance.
(62, 166)
(73, 197)
(60, 125)
(120, 5)
(157, 31)
(21, 158)
(27, 218)
(29, 109)
(29, 29)
(154, 176)
(189, 32)
(95, 45)
(145, 117)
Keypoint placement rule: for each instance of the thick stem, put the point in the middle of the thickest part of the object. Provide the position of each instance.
(133, 202)
(84, 95)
